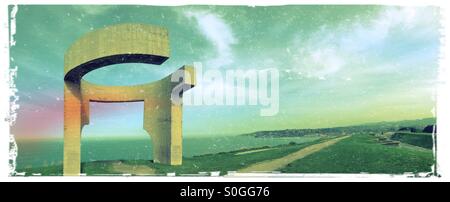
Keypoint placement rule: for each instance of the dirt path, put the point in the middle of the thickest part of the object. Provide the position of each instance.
(132, 169)
(275, 164)
(253, 151)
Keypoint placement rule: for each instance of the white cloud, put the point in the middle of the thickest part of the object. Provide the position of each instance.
(316, 62)
(94, 9)
(219, 33)
(329, 51)
(366, 35)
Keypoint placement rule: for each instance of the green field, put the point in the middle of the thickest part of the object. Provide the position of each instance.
(362, 153)
(357, 154)
(224, 161)
(424, 140)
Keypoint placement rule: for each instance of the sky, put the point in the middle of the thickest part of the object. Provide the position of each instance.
(338, 65)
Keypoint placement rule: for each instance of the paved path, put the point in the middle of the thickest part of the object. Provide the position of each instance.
(276, 164)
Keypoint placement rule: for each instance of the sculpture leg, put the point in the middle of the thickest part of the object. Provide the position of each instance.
(72, 130)
(176, 149)
(163, 123)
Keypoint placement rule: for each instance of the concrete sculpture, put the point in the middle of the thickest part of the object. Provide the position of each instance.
(125, 43)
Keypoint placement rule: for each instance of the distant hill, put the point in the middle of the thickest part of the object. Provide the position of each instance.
(419, 124)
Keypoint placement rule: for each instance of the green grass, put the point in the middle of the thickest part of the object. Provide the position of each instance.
(424, 140)
(44, 171)
(359, 153)
(362, 153)
(223, 162)
(88, 168)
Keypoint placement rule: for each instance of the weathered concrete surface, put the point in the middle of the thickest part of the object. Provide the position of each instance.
(123, 43)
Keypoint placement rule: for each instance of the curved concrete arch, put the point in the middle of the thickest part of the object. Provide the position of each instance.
(125, 43)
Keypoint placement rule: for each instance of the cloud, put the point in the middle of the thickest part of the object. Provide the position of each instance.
(364, 46)
(219, 33)
(412, 22)
(93, 9)
(319, 62)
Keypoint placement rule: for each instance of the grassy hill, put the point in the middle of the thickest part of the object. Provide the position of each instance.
(424, 140)
(357, 154)
(363, 153)
(224, 161)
